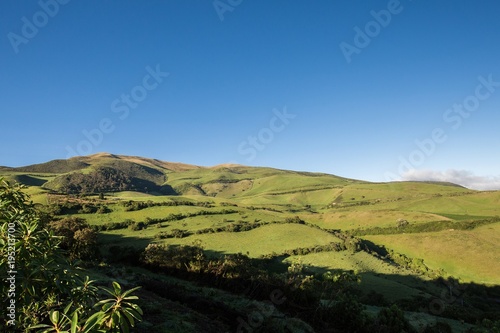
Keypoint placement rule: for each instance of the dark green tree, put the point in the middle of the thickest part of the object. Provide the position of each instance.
(77, 237)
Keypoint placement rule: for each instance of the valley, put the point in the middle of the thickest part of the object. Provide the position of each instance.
(405, 241)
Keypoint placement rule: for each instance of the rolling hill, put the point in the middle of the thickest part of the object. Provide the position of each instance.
(397, 236)
(223, 180)
(259, 193)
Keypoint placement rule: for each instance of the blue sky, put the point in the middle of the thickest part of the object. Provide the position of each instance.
(342, 87)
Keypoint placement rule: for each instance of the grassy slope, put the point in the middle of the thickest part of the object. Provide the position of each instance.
(472, 255)
(336, 203)
(376, 275)
(364, 217)
(264, 240)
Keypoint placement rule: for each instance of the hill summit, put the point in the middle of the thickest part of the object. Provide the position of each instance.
(105, 172)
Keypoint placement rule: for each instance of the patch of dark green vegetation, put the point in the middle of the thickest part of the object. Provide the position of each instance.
(132, 205)
(152, 221)
(426, 227)
(101, 180)
(29, 180)
(55, 166)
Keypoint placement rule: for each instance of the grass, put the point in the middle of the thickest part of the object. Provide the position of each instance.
(261, 241)
(289, 193)
(38, 196)
(331, 202)
(363, 217)
(119, 213)
(132, 195)
(376, 275)
(480, 204)
(469, 255)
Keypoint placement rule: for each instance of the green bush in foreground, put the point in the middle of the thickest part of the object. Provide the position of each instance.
(44, 293)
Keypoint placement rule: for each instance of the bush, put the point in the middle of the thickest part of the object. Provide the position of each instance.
(402, 223)
(50, 296)
(178, 233)
(294, 219)
(87, 209)
(347, 314)
(103, 210)
(78, 238)
(135, 226)
(161, 256)
(392, 320)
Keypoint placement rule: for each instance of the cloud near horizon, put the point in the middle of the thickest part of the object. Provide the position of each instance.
(461, 177)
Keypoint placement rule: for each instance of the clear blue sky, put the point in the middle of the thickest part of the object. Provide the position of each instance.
(355, 83)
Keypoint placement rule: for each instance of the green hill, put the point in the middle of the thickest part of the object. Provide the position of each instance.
(150, 175)
(401, 238)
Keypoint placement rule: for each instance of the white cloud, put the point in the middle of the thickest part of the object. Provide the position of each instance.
(460, 177)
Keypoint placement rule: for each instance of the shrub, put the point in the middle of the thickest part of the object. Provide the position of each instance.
(135, 226)
(50, 296)
(78, 238)
(294, 219)
(173, 256)
(178, 233)
(401, 223)
(346, 313)
(392, 320)
(103, 210)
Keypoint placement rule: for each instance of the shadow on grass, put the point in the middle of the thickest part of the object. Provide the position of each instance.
(28, 180)
(258, 278)
(108, 240)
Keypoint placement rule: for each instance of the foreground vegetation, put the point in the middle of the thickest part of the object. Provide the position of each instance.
(44, 291)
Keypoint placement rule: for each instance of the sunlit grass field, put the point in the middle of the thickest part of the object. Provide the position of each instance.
(471, 255)
(256, 195)
(261, 241)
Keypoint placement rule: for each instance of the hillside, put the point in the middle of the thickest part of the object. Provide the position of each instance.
(118, 173)
(403, 239)
(103, 172)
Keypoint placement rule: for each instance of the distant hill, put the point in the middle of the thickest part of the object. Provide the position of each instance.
(106, 172)
(55, 166)
(82, 162)
(98, 173)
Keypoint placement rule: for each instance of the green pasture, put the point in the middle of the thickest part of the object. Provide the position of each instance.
(361, 217)
(471, 255)
(261, 241)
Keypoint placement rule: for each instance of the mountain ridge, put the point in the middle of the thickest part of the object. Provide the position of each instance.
(144, 174)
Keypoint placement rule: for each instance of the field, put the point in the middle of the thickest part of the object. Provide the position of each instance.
(475, 252)
(255, 243)
(468, 255)
(409, 233)
(329, 202)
